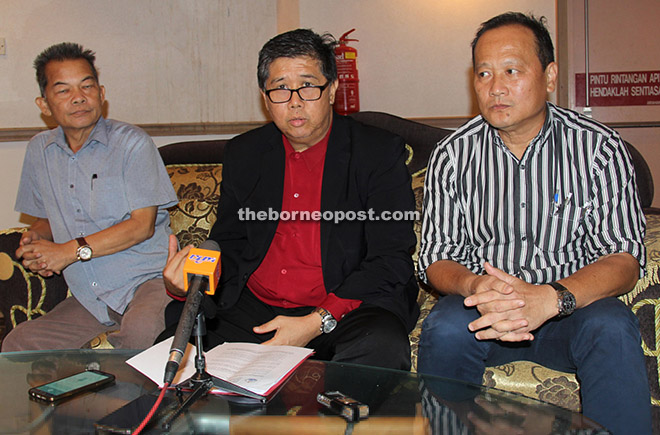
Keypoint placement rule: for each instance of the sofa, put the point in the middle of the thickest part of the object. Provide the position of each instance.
(195, 169)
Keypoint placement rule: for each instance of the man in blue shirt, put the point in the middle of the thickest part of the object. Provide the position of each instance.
(99, 192)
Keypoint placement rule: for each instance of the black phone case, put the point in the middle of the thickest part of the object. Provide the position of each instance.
(127, 418)
(37, 393)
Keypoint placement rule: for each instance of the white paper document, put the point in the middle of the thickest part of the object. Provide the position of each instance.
(255, 367)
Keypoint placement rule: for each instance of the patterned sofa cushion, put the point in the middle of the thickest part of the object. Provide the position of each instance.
(198, 190)
(25, 295)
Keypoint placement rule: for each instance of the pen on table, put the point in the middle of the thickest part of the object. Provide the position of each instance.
(94, 177)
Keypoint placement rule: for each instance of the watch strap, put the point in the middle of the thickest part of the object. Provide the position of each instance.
(81, 242)
(555, 285)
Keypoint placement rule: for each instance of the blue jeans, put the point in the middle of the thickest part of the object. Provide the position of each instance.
(600, 343)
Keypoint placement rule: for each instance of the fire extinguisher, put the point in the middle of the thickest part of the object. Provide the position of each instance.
(347, 98)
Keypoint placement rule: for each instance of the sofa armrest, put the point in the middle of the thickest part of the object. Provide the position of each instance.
(24, 295)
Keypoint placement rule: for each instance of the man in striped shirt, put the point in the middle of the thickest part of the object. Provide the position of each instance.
(532, 226)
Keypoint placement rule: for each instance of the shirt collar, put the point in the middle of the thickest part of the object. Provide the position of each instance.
(99, 134)
(539, 139)
(313, 155)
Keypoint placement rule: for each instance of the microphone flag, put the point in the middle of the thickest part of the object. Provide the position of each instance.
(203, 262)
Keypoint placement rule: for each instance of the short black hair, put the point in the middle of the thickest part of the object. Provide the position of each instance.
(544, 47)
(60, 52)
(298, 43)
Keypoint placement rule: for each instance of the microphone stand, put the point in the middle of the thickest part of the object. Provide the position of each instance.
(201, 382)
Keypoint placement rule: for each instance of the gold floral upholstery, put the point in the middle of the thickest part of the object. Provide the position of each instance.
(536, 381)
(198, 190)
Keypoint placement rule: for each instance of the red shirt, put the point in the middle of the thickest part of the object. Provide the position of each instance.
(291, 273)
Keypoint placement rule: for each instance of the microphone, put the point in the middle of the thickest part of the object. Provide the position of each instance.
(201, 272)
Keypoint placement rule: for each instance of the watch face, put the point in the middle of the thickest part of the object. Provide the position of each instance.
(85, 253)
(568, 303)
(329, 325)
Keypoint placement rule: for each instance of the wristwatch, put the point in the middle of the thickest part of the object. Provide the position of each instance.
(328, 323)
(565, 299)
(84, 251)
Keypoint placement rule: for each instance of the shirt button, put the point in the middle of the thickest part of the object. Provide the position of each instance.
(296, 195)
(283, 271)
(71, 186)
(522, 167)
(523, 238)
(94, 284)
(78, 210)
(522, 205)
(296, 156)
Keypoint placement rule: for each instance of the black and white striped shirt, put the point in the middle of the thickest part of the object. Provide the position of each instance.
(571, 199)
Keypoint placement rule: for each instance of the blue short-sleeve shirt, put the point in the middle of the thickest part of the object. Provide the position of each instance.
(116, 171)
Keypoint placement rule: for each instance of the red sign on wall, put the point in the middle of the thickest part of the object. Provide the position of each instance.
(637, 88)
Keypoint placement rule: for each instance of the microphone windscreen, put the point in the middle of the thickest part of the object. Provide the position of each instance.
(210, 245)
(205, 262)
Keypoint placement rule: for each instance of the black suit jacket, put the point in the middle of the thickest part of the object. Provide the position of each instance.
(364, 169)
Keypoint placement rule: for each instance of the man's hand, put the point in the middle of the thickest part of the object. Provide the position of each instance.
(43, 256)
(31, 258)
(510, 308)
(292, 331)
(28, 237)
(173, 271)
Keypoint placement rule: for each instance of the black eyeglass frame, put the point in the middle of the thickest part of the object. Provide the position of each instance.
(291, 91)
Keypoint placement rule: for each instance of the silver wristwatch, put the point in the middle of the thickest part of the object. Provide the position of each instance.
(328, 322)
(565, 299)
(84, 251)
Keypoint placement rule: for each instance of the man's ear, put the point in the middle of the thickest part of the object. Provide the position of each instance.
(263, 95)
(551, 76)
(332, 91)
(42, 104)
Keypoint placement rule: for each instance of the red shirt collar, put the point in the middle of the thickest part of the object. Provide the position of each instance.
(313, 155)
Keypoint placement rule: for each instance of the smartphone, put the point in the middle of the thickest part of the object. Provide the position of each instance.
(70, 386)
(127, 418)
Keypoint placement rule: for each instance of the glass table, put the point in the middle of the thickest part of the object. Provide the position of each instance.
(399, 402)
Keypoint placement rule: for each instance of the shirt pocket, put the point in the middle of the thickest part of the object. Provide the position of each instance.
(569, 212)
(108, 202)
(563, 228)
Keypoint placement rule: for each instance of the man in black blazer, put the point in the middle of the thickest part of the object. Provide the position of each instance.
(315, 222)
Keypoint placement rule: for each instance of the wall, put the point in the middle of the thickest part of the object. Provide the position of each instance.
(623, 36)
(165, 61)
(161, 61)
(414, 57)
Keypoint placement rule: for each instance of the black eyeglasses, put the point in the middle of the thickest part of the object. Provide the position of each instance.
(306, 93)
